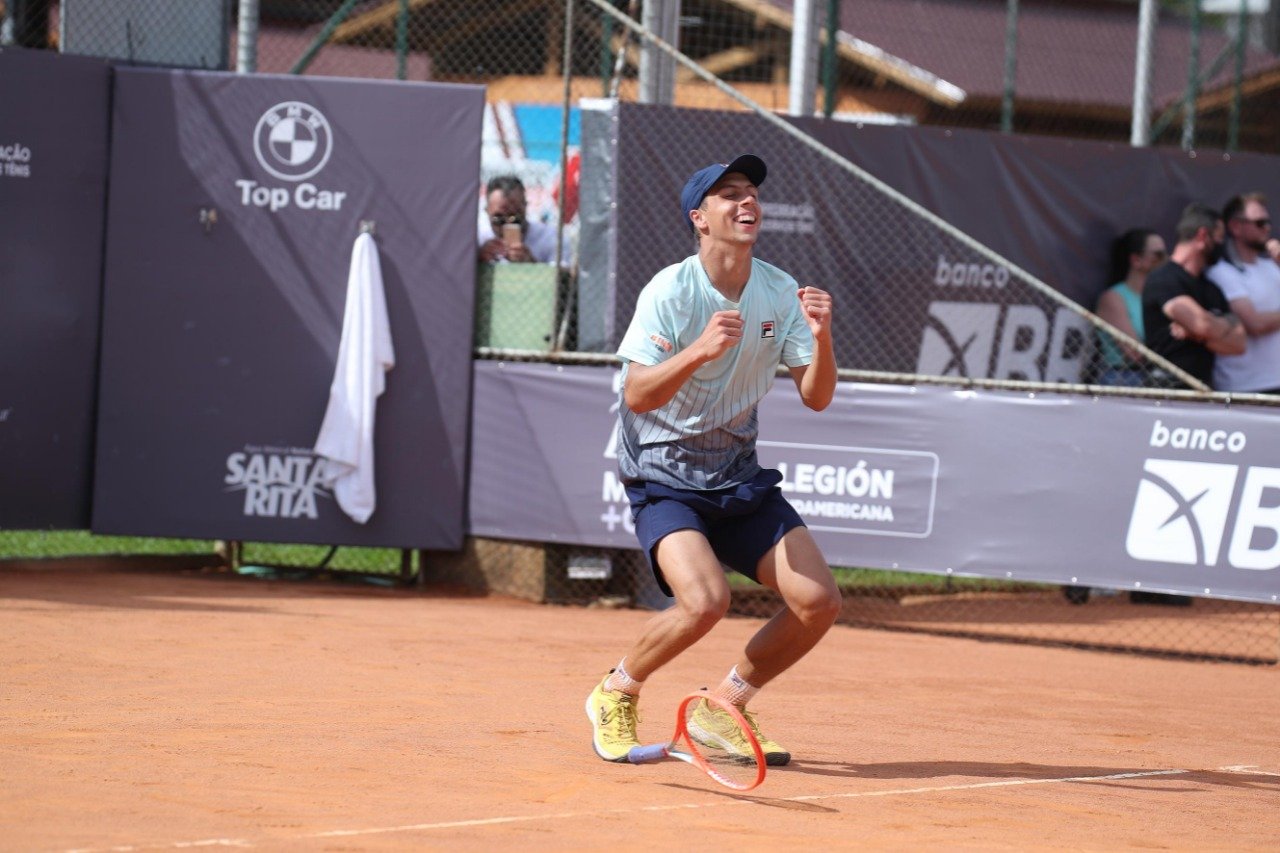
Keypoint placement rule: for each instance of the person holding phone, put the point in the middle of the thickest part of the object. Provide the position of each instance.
(507, 234)
(702, 350)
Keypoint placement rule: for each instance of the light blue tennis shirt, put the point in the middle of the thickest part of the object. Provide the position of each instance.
(705, 436)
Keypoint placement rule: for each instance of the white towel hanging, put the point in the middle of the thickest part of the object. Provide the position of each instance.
(364, 355)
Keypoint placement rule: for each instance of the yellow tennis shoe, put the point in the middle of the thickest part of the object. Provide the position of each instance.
(614, 716)
(715, 729)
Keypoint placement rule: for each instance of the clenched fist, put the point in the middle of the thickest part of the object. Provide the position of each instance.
(817, 307)
(723, 331)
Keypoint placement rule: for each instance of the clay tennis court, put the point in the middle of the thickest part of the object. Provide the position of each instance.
(149, 710)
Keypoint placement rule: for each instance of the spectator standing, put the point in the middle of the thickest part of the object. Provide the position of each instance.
(1249, 277)
(1185, 317)
(1134, 254)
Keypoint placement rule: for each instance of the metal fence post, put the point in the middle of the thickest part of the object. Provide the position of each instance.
(1010, 66)
(657, 70)
(1193, 82)
(402, 39)
(804, 49)
(829, 58)
(1233, 125)
(1140, 129)
(606, 54)
(247, 38)
(564, 290)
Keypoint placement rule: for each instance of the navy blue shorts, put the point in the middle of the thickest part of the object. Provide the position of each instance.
(741, 522)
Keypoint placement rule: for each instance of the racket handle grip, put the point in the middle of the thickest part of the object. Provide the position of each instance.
(645, 754)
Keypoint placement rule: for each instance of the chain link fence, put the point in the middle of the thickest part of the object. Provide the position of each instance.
(1024, 65)
(1035, 336)
(257, 559)
(925, 63)
(1075, 617)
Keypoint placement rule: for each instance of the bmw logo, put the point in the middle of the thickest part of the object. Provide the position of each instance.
(293, 140)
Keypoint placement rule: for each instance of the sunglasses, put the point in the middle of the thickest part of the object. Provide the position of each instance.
(1261, 223)
(506, 219)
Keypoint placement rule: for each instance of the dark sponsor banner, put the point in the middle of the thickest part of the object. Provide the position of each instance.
(235, 204)
(53, 170)
(1168, 497)
(536, 474)
(910, 297)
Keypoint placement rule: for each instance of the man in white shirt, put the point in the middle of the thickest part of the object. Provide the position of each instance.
(1249, 277)
(505, 232)
(702, 350)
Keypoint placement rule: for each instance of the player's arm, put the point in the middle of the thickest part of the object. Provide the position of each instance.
(652, 386)
(1255, 322)
(816, 380)
(1222, 334)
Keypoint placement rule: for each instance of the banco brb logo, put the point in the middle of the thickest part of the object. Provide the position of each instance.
(293, 140)
(991, 340)
(1184, 510)
(1180, 513)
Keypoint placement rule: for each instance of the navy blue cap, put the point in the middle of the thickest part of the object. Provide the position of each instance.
(695, 190)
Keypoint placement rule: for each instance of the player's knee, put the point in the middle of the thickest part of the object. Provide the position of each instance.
(821, 608)
(706, 608)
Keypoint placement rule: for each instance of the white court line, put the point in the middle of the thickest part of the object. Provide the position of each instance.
(742, 802)
(1247, 769)
(495, 821)
(1001, 784)
(172, 845)
(568, 815)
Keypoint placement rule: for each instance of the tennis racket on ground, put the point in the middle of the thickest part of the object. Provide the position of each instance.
(712, 735)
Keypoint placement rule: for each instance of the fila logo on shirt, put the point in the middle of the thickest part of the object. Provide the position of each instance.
(766, 329)
(1184, 510)
(292, 142)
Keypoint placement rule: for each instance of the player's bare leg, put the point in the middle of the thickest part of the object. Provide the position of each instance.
(796, 569)
(702, 598)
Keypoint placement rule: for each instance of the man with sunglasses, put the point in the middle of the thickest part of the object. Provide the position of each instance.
(507, 234)
(1250, 279)
(1185, 317)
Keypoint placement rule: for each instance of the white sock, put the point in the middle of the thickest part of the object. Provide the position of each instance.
(620, 679)
(735, 689)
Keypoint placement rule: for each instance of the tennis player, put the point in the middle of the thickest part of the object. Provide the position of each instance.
(703, 347)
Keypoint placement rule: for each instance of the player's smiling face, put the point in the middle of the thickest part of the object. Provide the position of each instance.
(731, 210)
